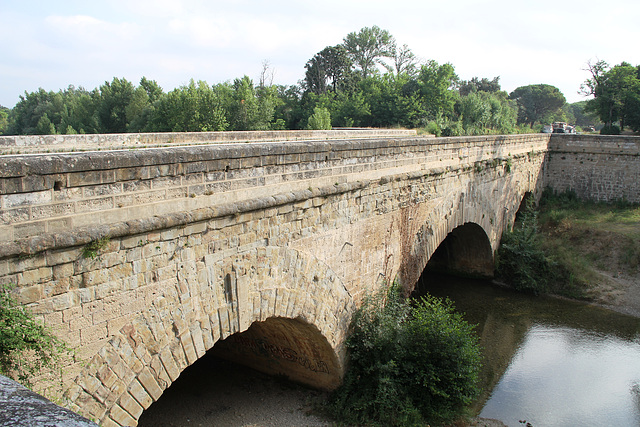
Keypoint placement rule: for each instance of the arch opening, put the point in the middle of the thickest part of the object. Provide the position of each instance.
(231, 373)
(289, 348)
(466, 251)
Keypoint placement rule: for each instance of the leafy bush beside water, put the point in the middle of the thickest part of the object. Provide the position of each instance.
(563, 247)
(26, 346)
(409, 363)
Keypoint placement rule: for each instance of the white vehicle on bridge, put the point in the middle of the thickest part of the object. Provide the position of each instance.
(560, 127)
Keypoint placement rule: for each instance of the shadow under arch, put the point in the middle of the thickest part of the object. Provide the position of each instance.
(280, 296)
(465, 251)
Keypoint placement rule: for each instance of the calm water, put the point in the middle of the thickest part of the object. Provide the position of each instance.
(547, 361)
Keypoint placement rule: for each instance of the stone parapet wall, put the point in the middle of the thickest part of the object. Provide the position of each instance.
(24, 144)
(47, 194)
(21, 407)
(601, 168)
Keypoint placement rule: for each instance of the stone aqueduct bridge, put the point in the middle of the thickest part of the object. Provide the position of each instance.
(144, 259)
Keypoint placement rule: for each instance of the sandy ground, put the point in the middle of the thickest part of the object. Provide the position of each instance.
(214, 392)
(619, 292)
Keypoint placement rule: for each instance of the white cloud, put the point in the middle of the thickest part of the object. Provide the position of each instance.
(54, 44)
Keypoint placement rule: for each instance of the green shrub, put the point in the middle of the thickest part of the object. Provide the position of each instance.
(409, 364)
(433, 128)
(320, 119)
(91, 249)
(26, 346)
(521, 263)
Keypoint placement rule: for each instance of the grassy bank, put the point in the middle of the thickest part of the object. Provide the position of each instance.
(573, 248)
(595, 242)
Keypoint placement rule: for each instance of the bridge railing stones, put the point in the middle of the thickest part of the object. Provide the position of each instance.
(21, 407)
(52, 193)
(24, 144)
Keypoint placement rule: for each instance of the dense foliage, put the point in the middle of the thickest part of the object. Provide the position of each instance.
(555, 247)
(616, 93)
(521, 262)
(538, 103)
(409, 364)
(26, 346)
(368, 80)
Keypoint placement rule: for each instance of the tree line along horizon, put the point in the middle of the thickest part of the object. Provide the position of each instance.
(366, 81)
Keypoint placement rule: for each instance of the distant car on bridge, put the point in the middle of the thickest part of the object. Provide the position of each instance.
(561, 127)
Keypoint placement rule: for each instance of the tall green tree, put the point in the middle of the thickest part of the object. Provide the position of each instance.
(582, 116)
(537, 103)
(328, 70)
(289, 108)
(404, 61)
(390, 104)
(487, 112)
(616, 93)
(141, 109)
(4, 119)
(436, 85)
(114, 98)
(28, 115)
(80, 111)
(479, 85)
(195, 107)
(243, 106)
(368, 48)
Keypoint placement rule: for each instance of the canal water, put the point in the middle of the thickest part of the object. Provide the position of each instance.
(549, 362)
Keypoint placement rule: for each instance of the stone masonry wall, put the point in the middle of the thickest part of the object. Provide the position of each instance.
(47, 194)
(23, 144)
(293, 231)
(602, 168)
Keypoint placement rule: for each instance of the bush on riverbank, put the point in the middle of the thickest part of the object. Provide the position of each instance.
(522, 263)
(565, 245)
(409, 363)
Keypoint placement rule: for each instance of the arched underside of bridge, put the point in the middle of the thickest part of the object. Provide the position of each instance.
(464, 242)
(291, 321)
(466, 250)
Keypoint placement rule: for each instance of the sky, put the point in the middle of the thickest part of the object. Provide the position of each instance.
(53, 44)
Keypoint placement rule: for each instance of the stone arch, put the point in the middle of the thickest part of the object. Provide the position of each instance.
(483, 216)
(466, 250)
(227, 294)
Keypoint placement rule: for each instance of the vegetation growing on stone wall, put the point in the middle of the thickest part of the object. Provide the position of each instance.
(410, 364)
(26, 346)
(92, 248)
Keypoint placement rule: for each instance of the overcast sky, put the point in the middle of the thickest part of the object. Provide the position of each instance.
(55, 43)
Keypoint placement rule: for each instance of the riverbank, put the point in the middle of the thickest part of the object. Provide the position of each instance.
(599, 244)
